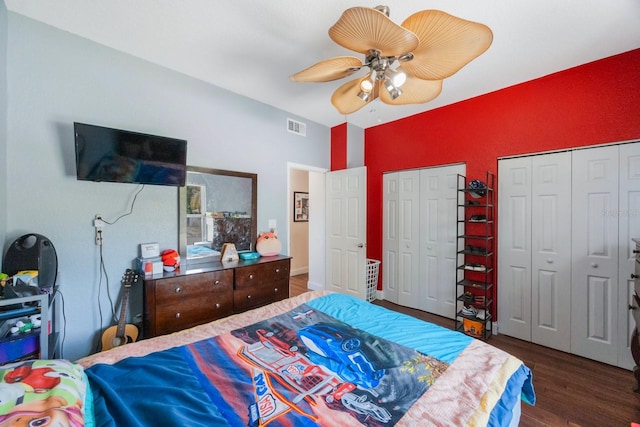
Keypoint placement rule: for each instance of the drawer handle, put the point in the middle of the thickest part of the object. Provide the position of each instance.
(250, 276)
(178, 289)
(217, 282)
(248, 296)
(178, 315)
(217, 305)
(277, 270)
(635, 276)
(276, 290)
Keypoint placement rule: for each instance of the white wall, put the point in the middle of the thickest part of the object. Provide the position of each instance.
(355, 146)
(56, 78)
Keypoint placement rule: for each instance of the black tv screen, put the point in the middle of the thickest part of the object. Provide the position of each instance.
(113, 155)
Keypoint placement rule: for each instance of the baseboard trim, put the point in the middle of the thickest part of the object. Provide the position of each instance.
(315, 286)
(300, 270)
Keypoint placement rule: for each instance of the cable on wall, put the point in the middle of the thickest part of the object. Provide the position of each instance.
(99, 223)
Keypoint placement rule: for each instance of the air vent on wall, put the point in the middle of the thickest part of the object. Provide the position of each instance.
(296, 127)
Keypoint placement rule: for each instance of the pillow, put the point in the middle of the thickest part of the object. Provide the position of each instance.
(53, 389)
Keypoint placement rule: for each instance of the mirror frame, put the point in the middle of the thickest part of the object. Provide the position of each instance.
(182, 206)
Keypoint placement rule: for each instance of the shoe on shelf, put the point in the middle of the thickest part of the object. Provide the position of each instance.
(470, 311)
(475, 250)
(475, 267)
(478, 218)
(468, 297)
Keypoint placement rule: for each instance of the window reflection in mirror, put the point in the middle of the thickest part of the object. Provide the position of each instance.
(217, 207)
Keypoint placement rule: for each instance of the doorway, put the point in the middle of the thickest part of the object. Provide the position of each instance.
(306, 238)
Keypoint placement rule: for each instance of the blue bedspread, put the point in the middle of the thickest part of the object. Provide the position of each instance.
(209, 383)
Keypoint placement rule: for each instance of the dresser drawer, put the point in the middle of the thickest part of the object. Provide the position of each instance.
(177, 289)
(193, 311)
(245, 299)
(258, 274)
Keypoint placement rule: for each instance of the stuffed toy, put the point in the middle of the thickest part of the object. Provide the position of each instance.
(170, 259)
(268, 243)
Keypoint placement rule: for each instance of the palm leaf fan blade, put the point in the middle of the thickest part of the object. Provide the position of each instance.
(328, 70)
(447, 43)
(414, 91)
(362, 29)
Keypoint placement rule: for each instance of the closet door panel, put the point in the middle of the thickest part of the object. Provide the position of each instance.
(390, 240)
(629, 227)
(408, 238)
(438, 192)
(551, 250)
(595, 290)
(514, 247)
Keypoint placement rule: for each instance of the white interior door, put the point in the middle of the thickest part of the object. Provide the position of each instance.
(346, 231)
(438, 204)
(551, 250)
(390, 239)
(514, 247)
(629, 227)
(409, 238)
(594, 291)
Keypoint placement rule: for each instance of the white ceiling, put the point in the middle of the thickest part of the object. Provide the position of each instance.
(251, 47)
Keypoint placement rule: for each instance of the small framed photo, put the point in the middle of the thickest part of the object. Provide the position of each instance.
(300, 206)
(196, 201)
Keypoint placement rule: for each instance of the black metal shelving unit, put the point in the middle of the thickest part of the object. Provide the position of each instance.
(475, 266)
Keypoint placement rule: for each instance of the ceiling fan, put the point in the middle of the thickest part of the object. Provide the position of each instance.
(429, 46)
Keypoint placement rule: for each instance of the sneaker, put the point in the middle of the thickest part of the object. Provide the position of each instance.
(475, 250)
(468, 297)
(469, 311)
(478, 218)
(475, 267)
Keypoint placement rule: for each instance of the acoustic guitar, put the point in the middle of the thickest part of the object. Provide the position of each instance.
(123, 333)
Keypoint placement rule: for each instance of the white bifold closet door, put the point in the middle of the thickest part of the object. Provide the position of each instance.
(566, 221)
(419, 229)
(606, 216)
(534, 249)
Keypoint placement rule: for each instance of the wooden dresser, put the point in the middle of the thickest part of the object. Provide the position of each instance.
(183, 299)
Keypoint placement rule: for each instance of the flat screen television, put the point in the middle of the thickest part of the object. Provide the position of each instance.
(114, 155)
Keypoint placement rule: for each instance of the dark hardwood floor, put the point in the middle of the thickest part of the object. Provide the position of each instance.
(570, 390)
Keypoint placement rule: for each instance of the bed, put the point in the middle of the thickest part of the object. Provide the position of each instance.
(320, 358)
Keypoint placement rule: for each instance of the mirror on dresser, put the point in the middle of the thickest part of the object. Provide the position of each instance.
(216, 207)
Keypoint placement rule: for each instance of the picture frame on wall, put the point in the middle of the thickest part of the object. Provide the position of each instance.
(300, 206)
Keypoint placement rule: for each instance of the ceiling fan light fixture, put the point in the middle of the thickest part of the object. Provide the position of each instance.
(364, 96)
(398, 78)
(367, 84)
(393, 90)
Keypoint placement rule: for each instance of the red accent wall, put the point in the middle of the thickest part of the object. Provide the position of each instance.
(339, 147)
(592, 104)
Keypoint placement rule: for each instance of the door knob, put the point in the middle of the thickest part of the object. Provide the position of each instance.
(360, 245)
(632, 307)
(635, 276)
(594, 265)
(549, 261)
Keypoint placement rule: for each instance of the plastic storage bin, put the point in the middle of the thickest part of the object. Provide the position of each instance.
(373, 268)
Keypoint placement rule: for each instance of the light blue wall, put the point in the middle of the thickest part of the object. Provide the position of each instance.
(56, 78)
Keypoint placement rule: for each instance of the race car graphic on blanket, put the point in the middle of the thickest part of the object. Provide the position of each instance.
(303, 367)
